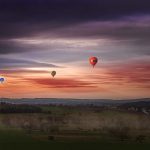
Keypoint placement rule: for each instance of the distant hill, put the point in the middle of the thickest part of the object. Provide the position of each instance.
(76, 102)
(137, 104)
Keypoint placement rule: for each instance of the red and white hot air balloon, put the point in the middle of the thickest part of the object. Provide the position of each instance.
(93, 61)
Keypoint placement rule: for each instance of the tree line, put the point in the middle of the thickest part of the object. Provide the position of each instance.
(13, 108)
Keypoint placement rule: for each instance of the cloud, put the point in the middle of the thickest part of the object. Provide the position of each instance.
(129, 29)
(61, 83)
(69, 10)
(31, 18)
(21, 71)
(7, 47)
(8, 63)
(135, 74)
(61, 26)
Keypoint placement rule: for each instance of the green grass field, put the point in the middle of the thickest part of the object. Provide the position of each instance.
(16, 140)
(75, 129)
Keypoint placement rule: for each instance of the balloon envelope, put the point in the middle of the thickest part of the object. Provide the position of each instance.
(53, 73)
(2, 80)
(93, 61)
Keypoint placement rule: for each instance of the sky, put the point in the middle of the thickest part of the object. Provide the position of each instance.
(39, 36)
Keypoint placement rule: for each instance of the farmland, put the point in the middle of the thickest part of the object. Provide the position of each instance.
(68, 127)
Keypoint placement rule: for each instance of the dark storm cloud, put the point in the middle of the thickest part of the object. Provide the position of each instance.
(70, 10)
(84, 19)
(19, 18)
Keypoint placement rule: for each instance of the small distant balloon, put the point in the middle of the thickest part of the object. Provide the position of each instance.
(53, 73)
(93, 61)
(2, 80)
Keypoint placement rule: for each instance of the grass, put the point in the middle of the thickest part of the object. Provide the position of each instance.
(16, 140)
(72, 146)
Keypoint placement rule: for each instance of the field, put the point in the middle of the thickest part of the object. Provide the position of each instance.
(71, 128)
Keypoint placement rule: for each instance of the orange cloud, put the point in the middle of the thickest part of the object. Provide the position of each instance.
(61, 82)
(136, 74)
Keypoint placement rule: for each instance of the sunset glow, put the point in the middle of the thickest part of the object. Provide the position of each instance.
(33, 46)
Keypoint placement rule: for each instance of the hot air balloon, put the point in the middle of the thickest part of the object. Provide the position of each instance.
(53, 73)
(93, 61)
(2, 80)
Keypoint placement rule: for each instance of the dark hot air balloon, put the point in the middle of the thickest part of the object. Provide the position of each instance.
(93, 61)
(53, 73)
